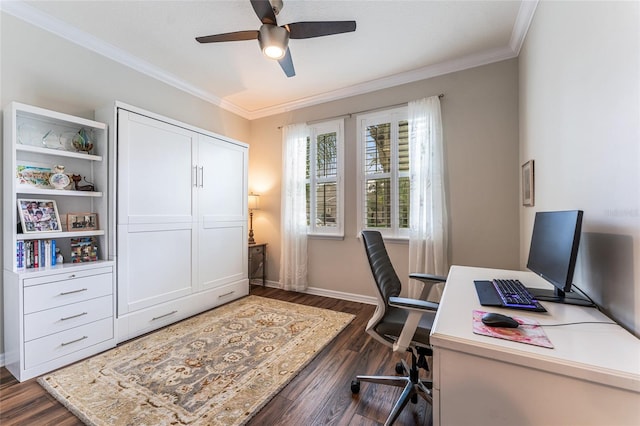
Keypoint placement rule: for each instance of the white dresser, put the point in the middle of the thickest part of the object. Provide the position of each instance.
(57, 318)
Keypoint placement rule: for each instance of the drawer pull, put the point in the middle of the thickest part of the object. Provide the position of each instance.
(162, 316)
(226, 294)
(72, 276)
(74, 341)
(64, 293)
(73, 316)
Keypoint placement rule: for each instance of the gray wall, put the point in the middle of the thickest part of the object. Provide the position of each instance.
(580, 122)
(480, 120)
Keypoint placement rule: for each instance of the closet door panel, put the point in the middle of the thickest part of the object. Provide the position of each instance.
(222, 216)
(156, 171)
(222, 254)
(222, 180)
(157, 265)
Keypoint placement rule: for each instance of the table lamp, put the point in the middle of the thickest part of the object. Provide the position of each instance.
(253, 203)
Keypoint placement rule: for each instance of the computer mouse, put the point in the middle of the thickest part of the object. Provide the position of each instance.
(493, 319)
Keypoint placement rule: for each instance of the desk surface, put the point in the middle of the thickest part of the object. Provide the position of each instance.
(601, 353)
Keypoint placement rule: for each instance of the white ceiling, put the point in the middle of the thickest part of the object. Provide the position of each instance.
(395, 42)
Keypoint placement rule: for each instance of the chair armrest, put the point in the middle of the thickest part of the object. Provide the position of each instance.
(416, 308)
(427, 277)
(428, 281)
(413, 304)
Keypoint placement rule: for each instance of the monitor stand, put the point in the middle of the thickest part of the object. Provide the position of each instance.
(557, 296)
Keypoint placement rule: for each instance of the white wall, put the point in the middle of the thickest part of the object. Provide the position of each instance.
(580, 122)
(480, 127)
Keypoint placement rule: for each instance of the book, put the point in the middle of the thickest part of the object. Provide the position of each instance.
(20, 255)
(53, 252)
(36, 254)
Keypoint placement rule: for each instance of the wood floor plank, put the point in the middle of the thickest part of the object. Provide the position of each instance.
(319, 394)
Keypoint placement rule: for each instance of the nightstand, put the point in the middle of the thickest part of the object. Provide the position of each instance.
(258, 262)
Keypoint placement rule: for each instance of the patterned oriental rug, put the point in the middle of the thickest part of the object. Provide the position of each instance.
(218, 368)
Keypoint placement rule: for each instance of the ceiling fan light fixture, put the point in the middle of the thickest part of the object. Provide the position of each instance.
(273, 41)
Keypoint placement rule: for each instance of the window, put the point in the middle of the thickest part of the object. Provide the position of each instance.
(325, 147)
(383, 164)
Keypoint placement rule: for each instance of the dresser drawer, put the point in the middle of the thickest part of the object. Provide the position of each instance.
(63, 292)
(256, 250)
(43, 323)
(67, 275)
(66, 342)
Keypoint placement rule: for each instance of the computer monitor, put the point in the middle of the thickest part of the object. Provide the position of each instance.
(553, 254)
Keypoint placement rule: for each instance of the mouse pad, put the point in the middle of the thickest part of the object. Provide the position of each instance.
(531, 333)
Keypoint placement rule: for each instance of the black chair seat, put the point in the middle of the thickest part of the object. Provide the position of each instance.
(394, 320)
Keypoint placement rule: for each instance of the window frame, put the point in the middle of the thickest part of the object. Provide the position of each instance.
(316, 129)
(393, 116)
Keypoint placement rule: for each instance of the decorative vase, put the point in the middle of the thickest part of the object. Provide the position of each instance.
(59, 180)
(82, 141)
(59, 258)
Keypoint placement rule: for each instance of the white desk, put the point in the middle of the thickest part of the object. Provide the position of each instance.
(590, 377)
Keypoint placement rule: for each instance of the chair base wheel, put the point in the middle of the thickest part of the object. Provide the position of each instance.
(399, 368)
(355, 387)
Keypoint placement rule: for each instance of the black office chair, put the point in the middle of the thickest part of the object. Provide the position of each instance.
(388, 323)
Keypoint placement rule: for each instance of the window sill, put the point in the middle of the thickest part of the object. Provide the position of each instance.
(338, 237)
(396, 240)
(390, 240)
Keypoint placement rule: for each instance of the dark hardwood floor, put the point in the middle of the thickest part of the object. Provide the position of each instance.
(319, 395)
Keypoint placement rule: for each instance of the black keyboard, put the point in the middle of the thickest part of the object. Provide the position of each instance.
(514, 294)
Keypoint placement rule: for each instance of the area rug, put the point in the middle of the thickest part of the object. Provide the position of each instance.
(218, 368)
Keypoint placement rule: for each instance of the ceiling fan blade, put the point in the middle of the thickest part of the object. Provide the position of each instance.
(235, 36)
(298, 30)
(286, 64)
(264, 11)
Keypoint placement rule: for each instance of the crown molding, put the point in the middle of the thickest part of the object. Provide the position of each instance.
(35, 17)
(470, 61)
(32, 15)
(521, 26)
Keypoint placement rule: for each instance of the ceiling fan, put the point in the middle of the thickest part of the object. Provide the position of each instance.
(274, 39)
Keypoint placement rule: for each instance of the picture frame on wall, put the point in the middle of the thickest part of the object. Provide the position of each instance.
(528, 184)
(39, 216)
(82, 222)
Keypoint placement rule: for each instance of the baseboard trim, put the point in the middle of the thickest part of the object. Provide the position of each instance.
(316, 291)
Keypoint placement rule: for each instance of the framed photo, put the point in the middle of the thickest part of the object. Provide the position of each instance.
(84, 249)
(82, 221)
(528, 187)
(38, 216)
(33, 174)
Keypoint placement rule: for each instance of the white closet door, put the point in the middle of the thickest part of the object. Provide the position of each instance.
(156, 171)
(222, 212)
(156, 184)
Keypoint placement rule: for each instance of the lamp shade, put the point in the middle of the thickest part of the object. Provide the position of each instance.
(254, 202)
(273, 41)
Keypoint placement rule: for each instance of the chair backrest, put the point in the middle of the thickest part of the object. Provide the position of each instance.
(387, 281)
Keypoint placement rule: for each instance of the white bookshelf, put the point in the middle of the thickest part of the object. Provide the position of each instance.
(38, 137)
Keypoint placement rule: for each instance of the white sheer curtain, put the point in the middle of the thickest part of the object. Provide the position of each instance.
(293, 252)
(428, 214)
